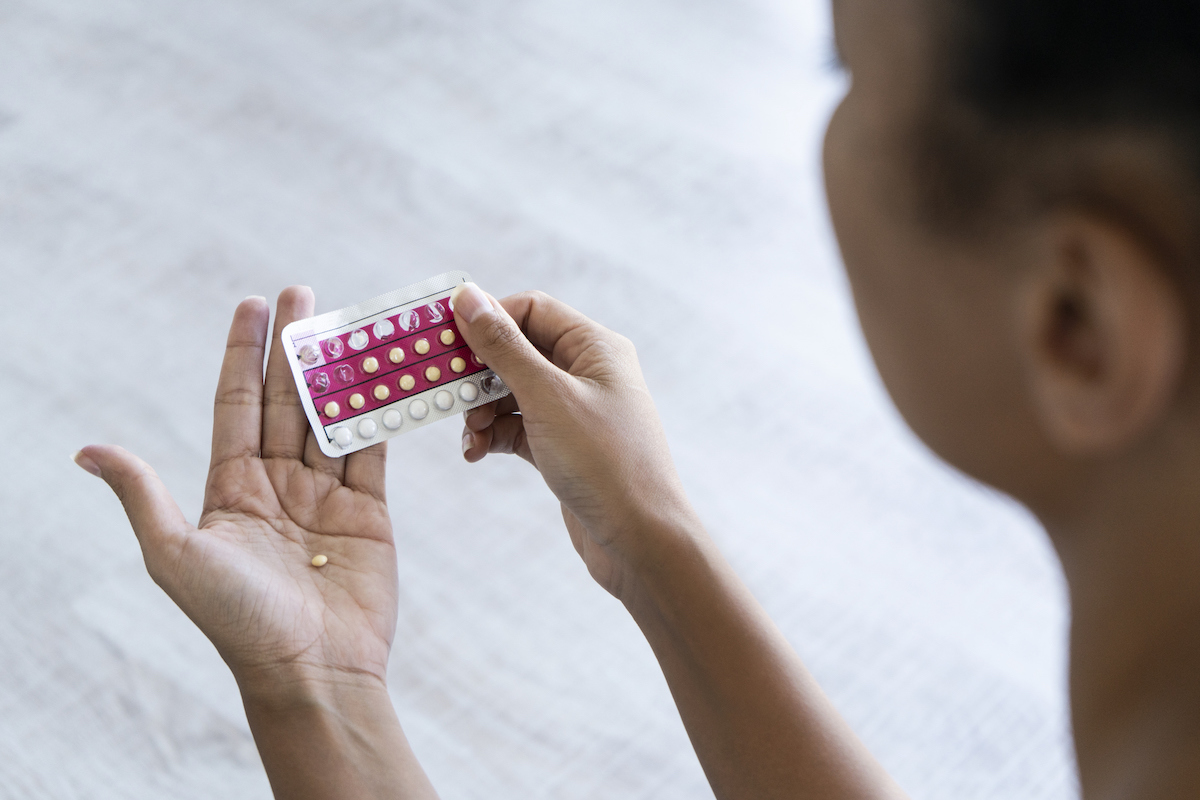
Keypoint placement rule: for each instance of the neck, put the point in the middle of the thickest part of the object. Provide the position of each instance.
(1132, 560)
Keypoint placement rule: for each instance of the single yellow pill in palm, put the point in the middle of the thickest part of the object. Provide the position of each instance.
(433, 374)
(382, 393)
(395, 355)
(457, 364)
(407, 382)
(421, 346)
(332, 409)
(447, 337)
(370, 365)
(357, 401)
(320, 561)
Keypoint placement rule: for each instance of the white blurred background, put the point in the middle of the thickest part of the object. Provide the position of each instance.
(655, 163)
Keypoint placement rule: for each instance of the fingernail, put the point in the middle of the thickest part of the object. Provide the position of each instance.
(255, 297)
(470, 302)
(91, 466)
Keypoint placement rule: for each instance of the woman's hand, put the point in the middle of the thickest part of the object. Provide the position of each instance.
(581, 413)
(273, 501)
(308, 646)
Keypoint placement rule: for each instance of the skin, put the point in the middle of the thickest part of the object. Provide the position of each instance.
(1049, 358)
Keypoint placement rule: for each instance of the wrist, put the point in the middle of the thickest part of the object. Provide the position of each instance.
(279, 688)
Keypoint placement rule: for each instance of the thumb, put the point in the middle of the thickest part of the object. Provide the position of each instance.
(497, 340)
(152, 511)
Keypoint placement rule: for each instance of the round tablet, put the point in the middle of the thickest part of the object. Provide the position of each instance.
(343, 437)
(457, 364)
(433, 374)
(370, 364)
(407, 382)
(475, 358)
(468, 391)
(443, 400)
(392, 419)
(367, 428)
(332, 409)
(310, 354)
(359, 339)
(333, 346)
(395, 355)
(417, 409)
(421, 346)
(356, 401)
(383, 329)
(447, 337)
(381, 392)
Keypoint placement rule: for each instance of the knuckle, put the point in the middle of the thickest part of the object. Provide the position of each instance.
(500, 336)
(237, 396)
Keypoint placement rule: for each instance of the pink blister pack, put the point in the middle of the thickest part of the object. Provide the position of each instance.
(386, 366)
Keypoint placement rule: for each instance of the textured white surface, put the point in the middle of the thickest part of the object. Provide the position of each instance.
(654, 162)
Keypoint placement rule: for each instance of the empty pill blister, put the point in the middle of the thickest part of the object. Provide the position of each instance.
(386, 366)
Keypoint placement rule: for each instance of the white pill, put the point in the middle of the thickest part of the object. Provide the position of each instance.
(392, 419)
(343, 437)
(359, 339)
(443, 400)
(468, 391)
(367, 428)
(417, 409)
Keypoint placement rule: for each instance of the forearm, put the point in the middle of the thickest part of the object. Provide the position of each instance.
(321, 740)
(760, 724)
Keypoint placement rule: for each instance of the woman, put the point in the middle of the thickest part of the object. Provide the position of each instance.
(1014, 188)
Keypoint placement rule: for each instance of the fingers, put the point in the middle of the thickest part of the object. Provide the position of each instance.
(237, 412)
(153, 513)
(554, 327)
(284, 425)
(365, 471)
(498, 341)
(505, 435)
(479, 418)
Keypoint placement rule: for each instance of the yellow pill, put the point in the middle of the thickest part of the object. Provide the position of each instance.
(457, 364)
(320, 561)
(370, 365)
(407, 382)
(332, 409)
(395, 355)
(382, 393)
(422, 346)
(447, 337)
(357, 401)
(433, 374)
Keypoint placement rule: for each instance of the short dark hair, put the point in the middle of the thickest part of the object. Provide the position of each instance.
(1014, 74)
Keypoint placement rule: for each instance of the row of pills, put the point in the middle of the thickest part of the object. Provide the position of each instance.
(381, 392)
(320, 382)
(417, 409)
(335, 346)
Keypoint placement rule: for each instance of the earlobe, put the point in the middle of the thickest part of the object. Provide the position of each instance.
(1104, 330)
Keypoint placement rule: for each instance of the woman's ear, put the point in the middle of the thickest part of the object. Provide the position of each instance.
(1103, 332)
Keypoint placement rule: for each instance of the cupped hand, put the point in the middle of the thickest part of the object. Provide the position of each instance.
(581, 413)
(273, 502)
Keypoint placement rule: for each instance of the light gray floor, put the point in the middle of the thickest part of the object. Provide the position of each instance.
(654, 162)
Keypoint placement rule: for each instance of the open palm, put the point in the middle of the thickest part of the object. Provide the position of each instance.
(273, 501)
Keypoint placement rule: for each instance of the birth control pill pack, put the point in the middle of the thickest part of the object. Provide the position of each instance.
(386, 366)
